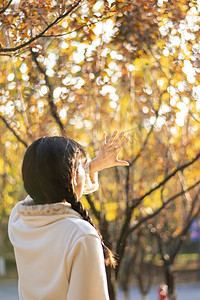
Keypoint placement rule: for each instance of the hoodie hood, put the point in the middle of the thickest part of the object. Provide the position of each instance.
(37, 215)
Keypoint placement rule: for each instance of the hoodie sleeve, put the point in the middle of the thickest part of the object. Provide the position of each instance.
(87, 278)
(14, 216)
(91, 180)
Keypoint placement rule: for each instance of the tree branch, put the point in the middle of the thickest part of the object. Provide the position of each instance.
(4, 8)
(149, 133)
(39, 12)
(121, 243)
(58, 19)
(125, 231)
(136, 201)
(156, 212)
(52, 105)
(13, 131)
(191, 217)
(93, 208)
(168, 260)
(192, 115)
(143, 146)
(161, 248)
(79, 28)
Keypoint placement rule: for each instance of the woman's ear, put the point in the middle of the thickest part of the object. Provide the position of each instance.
(74, 179)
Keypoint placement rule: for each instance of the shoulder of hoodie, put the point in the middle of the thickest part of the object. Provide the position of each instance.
(81, 227)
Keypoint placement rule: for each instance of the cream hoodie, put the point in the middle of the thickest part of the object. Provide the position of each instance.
(58, 254)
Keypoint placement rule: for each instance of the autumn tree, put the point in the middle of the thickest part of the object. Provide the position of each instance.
(78, 68)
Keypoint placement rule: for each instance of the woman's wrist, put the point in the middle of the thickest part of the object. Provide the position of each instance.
(95, 166)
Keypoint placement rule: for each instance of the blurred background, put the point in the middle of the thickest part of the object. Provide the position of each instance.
(78, 68)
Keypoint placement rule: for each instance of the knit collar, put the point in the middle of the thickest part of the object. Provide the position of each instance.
(27, 207)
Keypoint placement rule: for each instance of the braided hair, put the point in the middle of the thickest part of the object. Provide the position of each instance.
(47, 170)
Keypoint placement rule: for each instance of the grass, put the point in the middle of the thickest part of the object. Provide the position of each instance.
(183, 260)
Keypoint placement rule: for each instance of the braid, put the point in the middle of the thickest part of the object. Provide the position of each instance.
(78, 207)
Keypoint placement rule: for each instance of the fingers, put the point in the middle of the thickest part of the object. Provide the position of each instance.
(123, 144)
(104, 138)
(110, 150)
(120, 137)
(110, 141)
(122, 163)
(116, 142)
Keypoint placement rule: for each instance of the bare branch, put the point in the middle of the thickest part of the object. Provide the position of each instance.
(79, 28)
(103, 223)
(126, 230)
(168, 260)
(136, 201)
(149, 133)
(39, 12)
(93, 208)
(128, 265)
(143, 146)
(13, 131)
(52, 105)
(192, 115)
(121, 243)
(5, 54)
(161, 247)
(58, 19)
(4, 8)
(156, 212)
(191, 216)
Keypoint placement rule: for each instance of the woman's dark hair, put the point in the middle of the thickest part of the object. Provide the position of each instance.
(47, 170)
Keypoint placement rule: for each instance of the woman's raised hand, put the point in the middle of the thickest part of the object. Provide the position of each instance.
(107, 156)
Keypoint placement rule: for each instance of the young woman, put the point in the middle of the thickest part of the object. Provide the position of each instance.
(59, 253)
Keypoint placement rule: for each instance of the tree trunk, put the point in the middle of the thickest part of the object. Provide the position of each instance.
(144, 296)
(111, 283)
(170, 281)
(126, 295)
(172, 297)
